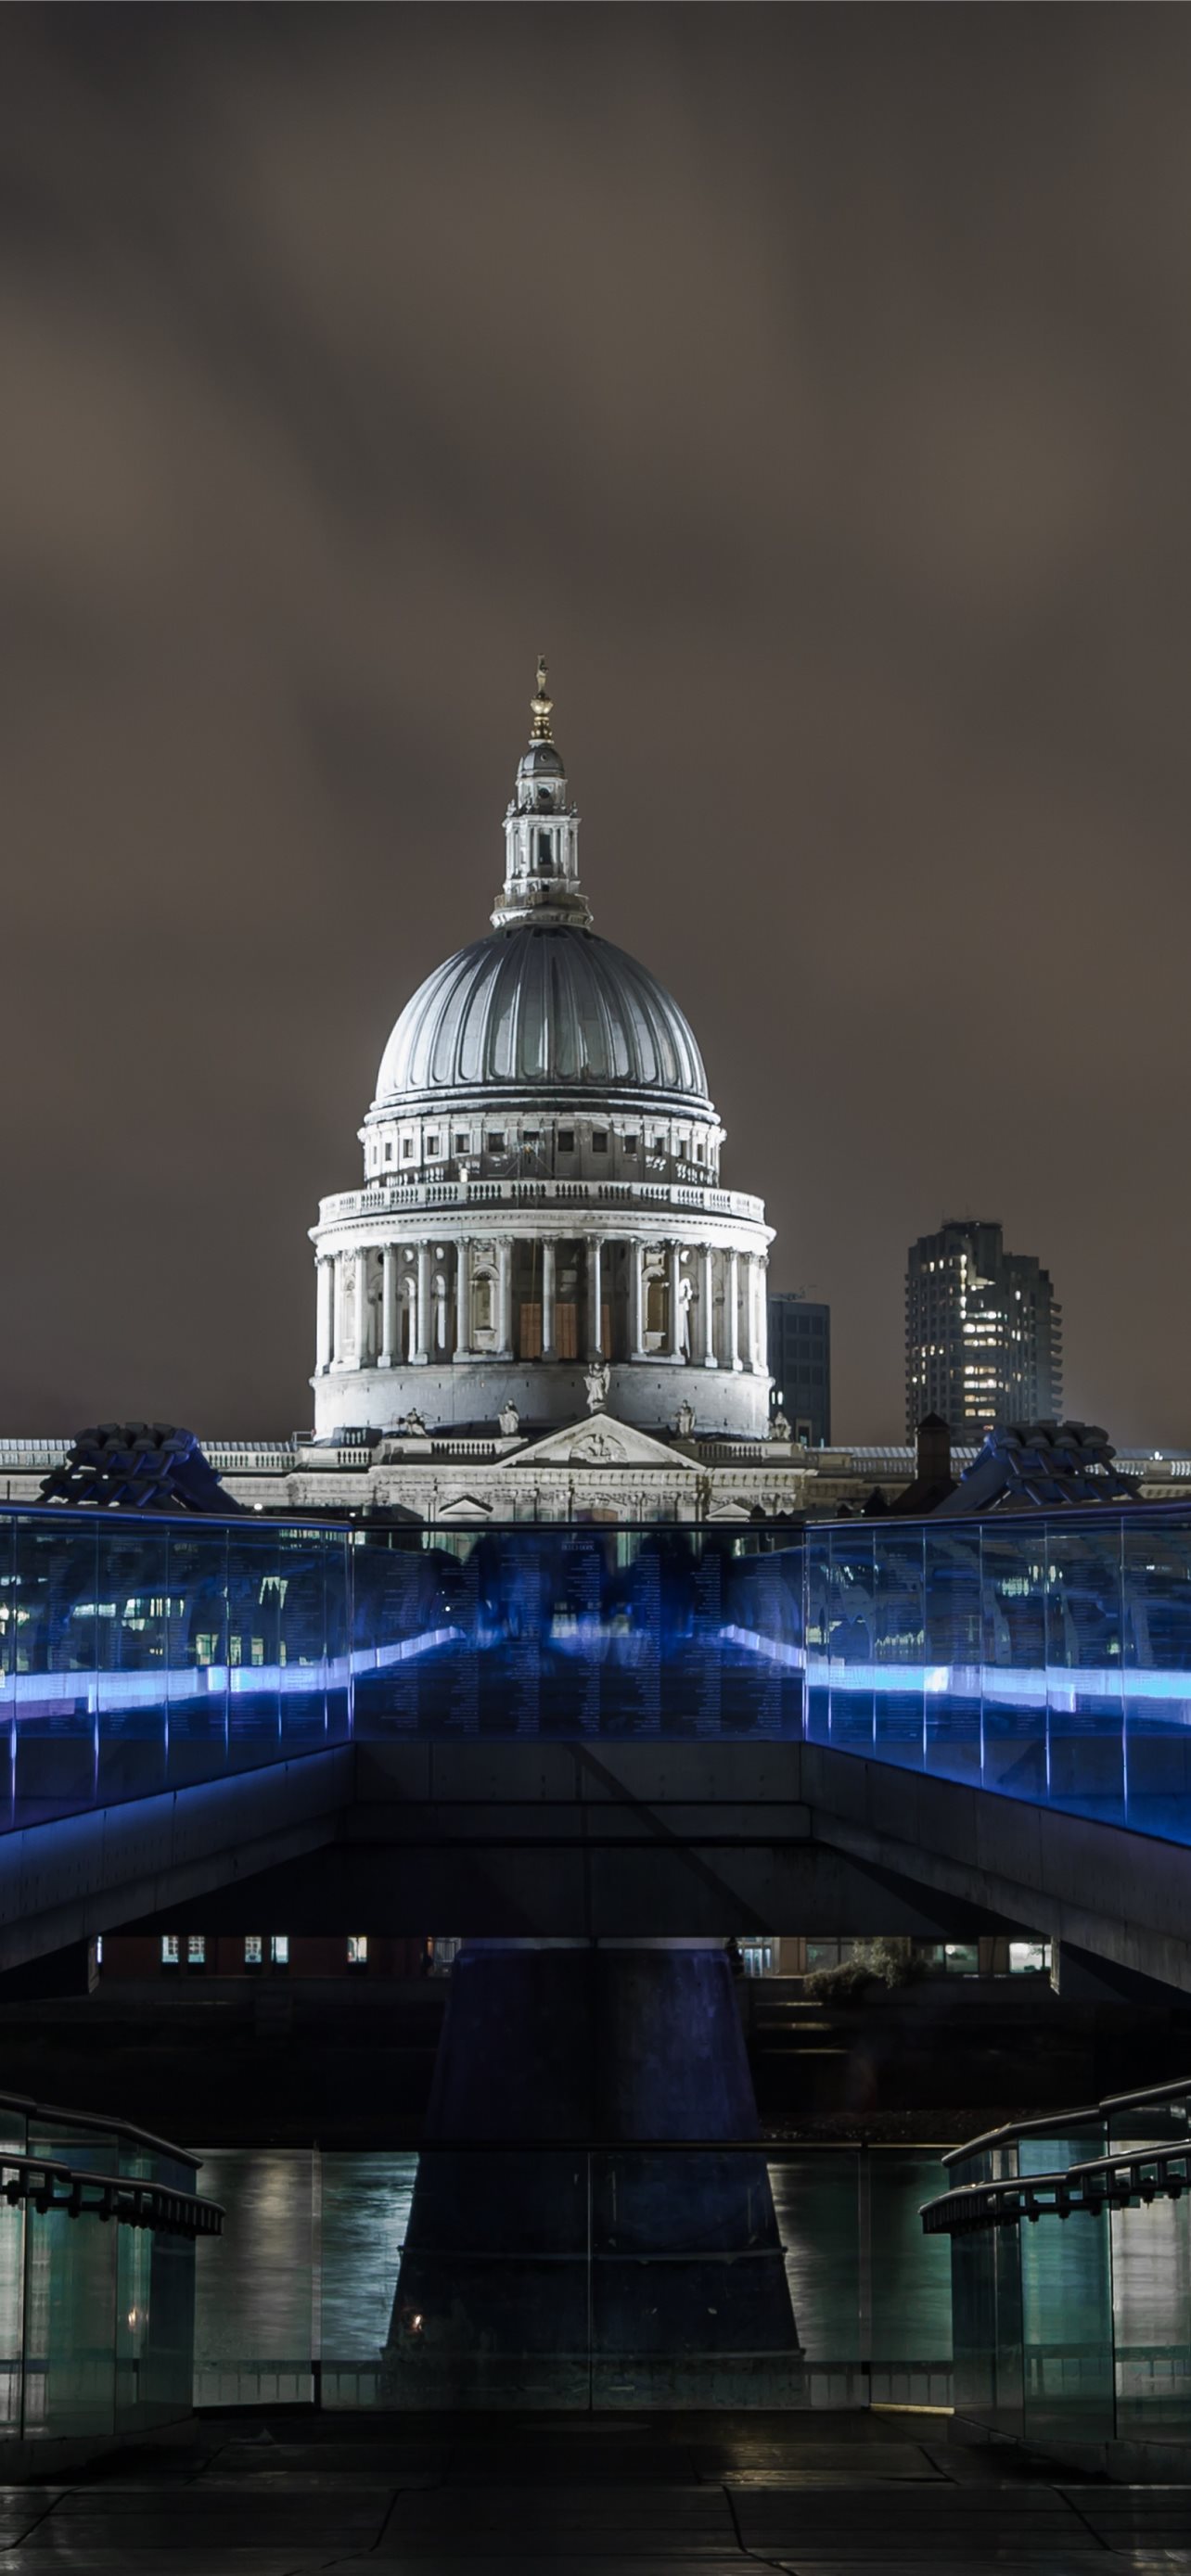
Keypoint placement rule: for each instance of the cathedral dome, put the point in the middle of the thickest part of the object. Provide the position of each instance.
(545, 1007)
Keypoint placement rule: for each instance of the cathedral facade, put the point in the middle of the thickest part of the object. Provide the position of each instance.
(542, 1232)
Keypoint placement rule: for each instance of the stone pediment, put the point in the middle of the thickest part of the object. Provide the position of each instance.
(601, 1441)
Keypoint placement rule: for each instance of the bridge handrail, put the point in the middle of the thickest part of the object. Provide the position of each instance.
(50, 2184)
(1113, 2181)
(53, 2115)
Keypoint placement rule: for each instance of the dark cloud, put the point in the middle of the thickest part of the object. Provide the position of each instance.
(815, 386)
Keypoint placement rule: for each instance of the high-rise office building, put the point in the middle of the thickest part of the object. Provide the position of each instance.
(800, 1364)
(984, 1338)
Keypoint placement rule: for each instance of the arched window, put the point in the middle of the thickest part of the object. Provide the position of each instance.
(657, 1306)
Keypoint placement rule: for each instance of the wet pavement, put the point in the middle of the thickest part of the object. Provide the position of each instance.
(644, 2495)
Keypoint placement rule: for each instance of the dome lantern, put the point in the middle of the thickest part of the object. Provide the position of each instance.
(541, 833)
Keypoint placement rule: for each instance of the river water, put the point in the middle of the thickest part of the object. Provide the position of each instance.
(307, 2266)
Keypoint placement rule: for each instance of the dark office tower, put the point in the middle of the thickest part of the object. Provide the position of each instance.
(800, 1364)
(984, 1335)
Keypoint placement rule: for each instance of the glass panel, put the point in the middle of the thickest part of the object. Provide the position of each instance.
(1067, 2328)
(899, 1613)
(133, 1649)
(197, 1659)
(255, 2299)
(690, 2300)
(1013, 1595)
(365, 2203)
(54, 1665)
(1156, 1565)
(302, 1636)
(911, 2281)
(70, 2292)
(952, 1692)
(817, 2205)
(818, 1601)
(1083, 1668)
(851, 1622)
(254, 1607)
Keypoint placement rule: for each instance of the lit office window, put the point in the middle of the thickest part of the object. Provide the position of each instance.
(196, 1949)
(444, 1950)
(279, 1949)
(1029, 1958)
(357, 1949)
(169, 1949)
(254, 1950)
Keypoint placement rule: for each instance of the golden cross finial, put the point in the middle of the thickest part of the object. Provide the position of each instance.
(542, 707)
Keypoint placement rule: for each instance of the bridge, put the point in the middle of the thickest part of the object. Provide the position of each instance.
(565, 1730)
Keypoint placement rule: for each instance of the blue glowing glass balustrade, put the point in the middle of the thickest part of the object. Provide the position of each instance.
(1043, 1656)
(143, 1653)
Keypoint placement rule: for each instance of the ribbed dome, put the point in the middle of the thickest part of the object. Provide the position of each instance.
(544, 1008)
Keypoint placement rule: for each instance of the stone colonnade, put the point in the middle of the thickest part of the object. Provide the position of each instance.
(422, 1309)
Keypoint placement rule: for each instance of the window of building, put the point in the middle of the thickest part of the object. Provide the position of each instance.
(828, 1954)
(169, 1949)
(407, 1148)
(698, 1149)
(99, 1949)
(388, 1149)
(357, 1949)
(496, 1141)
(656, 1306)
(254, 1950)
(1029, 1958)
(566, 1140)
(630, 1144)
(481, 1306)
(196, 1949)
(757, 1957)
(443, 1952)
(279, 1949)
(460, 1143)
(659, 1144)
(544, 851)
(951, 1958)
(599, 1140)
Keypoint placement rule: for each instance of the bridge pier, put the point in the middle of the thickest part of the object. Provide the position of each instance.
(541, 2268)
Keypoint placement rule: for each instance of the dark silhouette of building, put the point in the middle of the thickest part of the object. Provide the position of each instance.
(984, 1340)
(800, 1364)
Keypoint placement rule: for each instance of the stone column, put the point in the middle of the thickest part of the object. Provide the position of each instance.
(547, 1296)
(595, 1298)
(422, 1327)
(325, 1276)
(463, 1301)
(674, 1300)
(750, 1312)
(636, 1301)
(762, 1362)
(361, 1310)
(732, 1312)
(388, 1314)
(707, 1309)
(504, 1298)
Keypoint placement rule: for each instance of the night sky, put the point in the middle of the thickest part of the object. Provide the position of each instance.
(813, 386)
